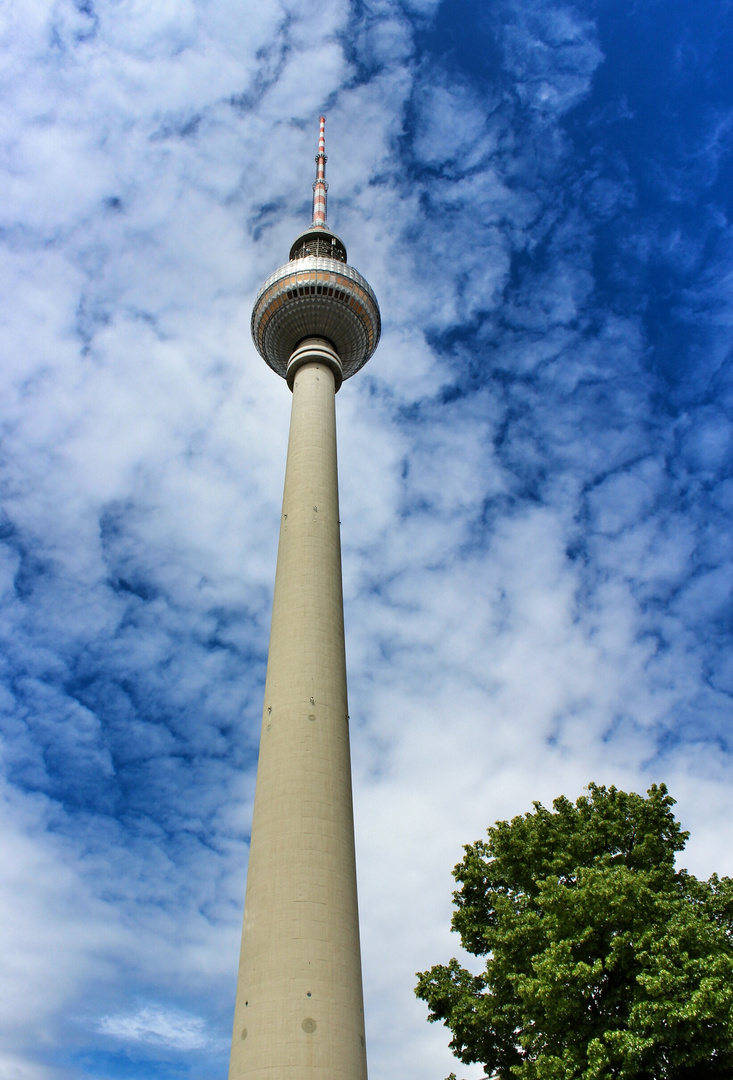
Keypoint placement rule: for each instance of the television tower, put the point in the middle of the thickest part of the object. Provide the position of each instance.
(299, 1011)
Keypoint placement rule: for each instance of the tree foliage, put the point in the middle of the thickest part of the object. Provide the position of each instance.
(602, 960)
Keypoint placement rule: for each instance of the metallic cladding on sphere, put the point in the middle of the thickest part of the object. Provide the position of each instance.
(316, 297)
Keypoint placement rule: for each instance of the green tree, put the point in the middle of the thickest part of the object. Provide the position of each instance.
(602, 960)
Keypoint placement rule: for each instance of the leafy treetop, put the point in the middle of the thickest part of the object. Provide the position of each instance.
(602, 960)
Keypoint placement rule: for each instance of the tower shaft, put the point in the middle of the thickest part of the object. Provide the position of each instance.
(299, 1009)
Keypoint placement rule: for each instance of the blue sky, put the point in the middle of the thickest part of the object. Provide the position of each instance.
(535, 471)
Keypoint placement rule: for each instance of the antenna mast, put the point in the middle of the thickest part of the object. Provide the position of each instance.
(320, 187)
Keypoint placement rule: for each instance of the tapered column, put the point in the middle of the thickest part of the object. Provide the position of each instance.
(299, 1009)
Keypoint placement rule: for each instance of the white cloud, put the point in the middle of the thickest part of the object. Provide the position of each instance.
(158, 1026)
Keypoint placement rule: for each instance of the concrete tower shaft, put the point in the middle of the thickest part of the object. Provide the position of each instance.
(299, 1009)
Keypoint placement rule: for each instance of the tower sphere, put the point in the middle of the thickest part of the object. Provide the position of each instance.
(316, 294)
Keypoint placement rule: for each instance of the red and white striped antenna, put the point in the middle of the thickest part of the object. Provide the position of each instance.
(320, 187)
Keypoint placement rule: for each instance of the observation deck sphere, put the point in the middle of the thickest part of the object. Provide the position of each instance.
(321, 298)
